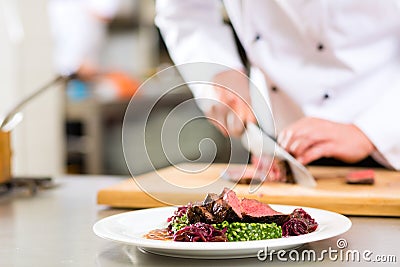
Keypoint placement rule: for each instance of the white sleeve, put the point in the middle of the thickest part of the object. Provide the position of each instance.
(380, 124)
(194, 31)
(104, 8)
(77, 31)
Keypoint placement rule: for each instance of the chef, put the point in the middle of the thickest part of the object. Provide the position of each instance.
(79, 30)
(330, 69)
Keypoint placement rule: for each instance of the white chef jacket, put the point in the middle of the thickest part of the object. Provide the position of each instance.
(337, 60)
(78, 33)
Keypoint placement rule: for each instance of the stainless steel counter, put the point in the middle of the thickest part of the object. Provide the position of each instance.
(54, 228)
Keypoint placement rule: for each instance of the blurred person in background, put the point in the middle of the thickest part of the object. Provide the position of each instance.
(79, 29)
(330, 68)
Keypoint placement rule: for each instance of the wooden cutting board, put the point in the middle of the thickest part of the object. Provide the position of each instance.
(191, 182)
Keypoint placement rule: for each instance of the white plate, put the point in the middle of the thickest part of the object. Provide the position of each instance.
(129, 228)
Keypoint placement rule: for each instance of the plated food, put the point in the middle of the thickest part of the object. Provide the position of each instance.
(129, 228)
(227, 218)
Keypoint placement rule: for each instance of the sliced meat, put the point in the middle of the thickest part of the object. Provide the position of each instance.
(233, 201)
(199, 214)
(278, 219)
(262, 169)
(361, 177)
(193, 216)
(216, 208)
(228, 207)
(275, 169)
(256, 211)
(223, 212)
(285, 173)
(208, 202)
(256, 208)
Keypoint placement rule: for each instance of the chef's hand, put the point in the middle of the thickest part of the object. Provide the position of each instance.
(234, 111)
(311, 138)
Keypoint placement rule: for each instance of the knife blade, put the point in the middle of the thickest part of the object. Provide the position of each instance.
(261, 143)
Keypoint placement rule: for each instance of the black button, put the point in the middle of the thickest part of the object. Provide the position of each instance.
(326, 96)
(274, 89)
(258, 37)
(320, 46)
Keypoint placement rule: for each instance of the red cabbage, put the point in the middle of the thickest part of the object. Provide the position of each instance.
(300, 223)
(178, 213)
(200, 232)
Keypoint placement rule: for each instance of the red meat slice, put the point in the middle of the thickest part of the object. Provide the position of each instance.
(255, 211)
(361, 177)
(261, 169)
(228, 207)
(256, 208)
(233, 201)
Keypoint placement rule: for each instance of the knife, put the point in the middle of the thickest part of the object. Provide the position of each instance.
(259, 143)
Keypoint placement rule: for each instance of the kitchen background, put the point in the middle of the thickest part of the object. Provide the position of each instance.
(77, 129)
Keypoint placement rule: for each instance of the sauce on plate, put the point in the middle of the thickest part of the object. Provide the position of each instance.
(159, 234)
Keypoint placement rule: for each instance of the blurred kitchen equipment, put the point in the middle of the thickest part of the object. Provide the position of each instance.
(10, 121)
